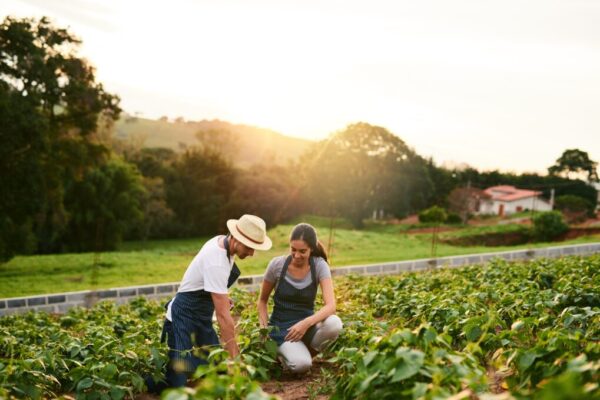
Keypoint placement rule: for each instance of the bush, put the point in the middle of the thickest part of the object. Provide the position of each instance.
(549, 225)
(433, 214)
(574, 208)
(453, 218)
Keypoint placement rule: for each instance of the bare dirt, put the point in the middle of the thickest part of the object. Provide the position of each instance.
(292, 386)
(430, 230)
(288, 386)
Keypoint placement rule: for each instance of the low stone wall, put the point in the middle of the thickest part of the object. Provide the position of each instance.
(61, 302)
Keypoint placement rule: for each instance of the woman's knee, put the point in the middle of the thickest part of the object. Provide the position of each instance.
(295, 357)
(327, 331)
(331, 327)
(333, 324)
(299, 365)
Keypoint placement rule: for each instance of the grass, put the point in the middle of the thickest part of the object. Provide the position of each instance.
(150, 262)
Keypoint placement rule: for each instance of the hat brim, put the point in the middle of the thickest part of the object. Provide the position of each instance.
(232, 226)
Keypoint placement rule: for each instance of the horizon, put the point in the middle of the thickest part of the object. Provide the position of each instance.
(497, 87)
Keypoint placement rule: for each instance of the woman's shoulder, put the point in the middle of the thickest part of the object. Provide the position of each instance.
(277, 261)
(320, 262)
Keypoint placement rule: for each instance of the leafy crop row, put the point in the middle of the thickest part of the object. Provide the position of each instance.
(530, 329)
(523, 330)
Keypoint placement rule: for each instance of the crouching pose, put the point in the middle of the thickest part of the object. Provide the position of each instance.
(298, 330)
(204, 290)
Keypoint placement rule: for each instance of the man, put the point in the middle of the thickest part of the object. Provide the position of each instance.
(204, 290)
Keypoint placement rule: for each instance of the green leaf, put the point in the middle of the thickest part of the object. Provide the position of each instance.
(411, 362)
(525, 360)
(419, 390)
(117, 393)
(367, 382)
(271, 347)
(472, 332)
(369, 357)
(85, 383)
(175, 394)
(267, 358)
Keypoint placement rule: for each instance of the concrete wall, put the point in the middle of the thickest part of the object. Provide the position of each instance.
(61, 302)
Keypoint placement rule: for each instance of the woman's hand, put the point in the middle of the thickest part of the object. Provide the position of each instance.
(297, 331)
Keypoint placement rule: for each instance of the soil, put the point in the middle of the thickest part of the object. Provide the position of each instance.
(293, 386)
(514, 238)
(288, 387)
(577, 232)
(496, 380)
(490, 239)
(430, 230)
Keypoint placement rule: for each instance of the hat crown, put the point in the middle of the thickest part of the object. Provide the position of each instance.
(252, 227)
(251, 231)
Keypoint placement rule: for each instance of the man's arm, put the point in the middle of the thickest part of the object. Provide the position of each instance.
(225, 320)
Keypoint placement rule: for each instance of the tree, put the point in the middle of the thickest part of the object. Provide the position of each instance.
(270, 191)
(50, 105)
(102, 206)
(21, 135)
(574, 208)
(365, 168)
(198, 191)
(576, 161)
(465, 201)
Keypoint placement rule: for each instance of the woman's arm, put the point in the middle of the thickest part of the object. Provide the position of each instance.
(263, 299)
(297, 331)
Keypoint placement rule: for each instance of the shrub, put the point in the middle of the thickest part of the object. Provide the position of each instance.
(574, 208)
(433, 214)
(453, 218)
(549, 225)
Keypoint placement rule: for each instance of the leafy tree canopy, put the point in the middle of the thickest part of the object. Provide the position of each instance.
(575, 160)
(364, 168)
(50, 108)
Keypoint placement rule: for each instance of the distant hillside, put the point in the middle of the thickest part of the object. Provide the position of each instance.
(245, 145)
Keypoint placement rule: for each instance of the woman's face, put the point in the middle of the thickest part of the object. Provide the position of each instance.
(300, 252)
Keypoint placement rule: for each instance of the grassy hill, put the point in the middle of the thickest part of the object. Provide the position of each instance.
(246, 145)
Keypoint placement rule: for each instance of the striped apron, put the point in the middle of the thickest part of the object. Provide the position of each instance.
(293, 305)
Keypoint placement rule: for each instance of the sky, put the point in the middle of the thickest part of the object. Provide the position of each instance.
(505, 85)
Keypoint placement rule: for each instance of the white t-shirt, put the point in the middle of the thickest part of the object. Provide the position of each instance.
(209, 271)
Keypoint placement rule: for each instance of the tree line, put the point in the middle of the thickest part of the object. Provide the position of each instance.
(69, 185)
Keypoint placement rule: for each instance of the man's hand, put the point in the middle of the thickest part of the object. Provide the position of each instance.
(297, 331)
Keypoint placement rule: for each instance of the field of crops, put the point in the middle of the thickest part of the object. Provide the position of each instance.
(524, 330)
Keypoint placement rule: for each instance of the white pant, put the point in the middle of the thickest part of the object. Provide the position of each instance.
(296, 356)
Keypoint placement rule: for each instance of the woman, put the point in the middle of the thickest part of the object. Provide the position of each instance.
(298, 330)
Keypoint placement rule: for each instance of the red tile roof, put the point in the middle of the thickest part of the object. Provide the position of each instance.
(509, 193)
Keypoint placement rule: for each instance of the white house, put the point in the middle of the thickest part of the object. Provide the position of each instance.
(505, 199)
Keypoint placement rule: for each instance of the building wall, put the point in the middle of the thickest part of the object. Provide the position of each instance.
(511, 207)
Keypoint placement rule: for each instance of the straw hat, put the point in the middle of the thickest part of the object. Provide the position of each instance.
(251, 231)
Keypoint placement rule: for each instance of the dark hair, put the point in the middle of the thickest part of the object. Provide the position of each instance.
(308, 234)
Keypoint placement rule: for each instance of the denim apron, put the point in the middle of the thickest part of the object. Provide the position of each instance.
(293, 305)
(191, 326)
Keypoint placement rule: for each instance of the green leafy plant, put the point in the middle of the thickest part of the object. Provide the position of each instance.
(549, 225)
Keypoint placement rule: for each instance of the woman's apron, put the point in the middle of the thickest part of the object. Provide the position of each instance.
(293, 305)
(191, 326)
